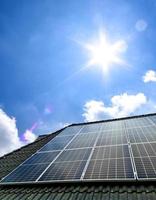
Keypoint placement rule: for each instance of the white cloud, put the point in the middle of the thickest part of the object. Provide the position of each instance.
(150, 76)
(9, 138)
(141, 25)
(121, 106)
(93, 110)
(29, 136)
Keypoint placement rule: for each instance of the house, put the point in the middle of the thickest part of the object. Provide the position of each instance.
(141, 130)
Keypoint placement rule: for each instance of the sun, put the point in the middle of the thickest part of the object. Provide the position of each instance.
(104, 54)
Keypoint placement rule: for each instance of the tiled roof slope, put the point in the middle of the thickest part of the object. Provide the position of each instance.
(78, 191)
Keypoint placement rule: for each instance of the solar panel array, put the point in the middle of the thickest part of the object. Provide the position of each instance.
(105, 151)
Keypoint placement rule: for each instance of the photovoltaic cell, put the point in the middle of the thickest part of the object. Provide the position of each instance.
(111, 139)
(110, 152)
(73, 130)
(58, 143)
(137, 122)
(113, 126)
(113, 133)
(44, 157)
(145, 159)
(73, 155)
(146, 167)
(110, 162)
(91, 128)
(64, 171)
(142, 134)
(82, 141)
(106, 169)
(153, 119)
(26, 173)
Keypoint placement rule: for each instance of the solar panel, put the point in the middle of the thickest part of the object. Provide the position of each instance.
(112, 150)
(145, 160)
(68, 166)
(112, 125)
(138, 122)
(25, 173)
(58, 143)
(142, 134)
(153, 119)
(110, 162)
(109, 139)
(108, 169)
(81, 141)
(73, 130)
(64, 171)
(43, 157)
(90, 128)
(146, 167)
(73, 155)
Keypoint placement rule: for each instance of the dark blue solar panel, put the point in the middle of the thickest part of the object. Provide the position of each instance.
(106, 152)
(120, 168)
(73, 155)
(64, 171)
(43, 157)
(81, 141)
(57, 143)
(145, 159)
(73, 130)
(146, 167)
(142, 134)
(91, 128)
(26, 173)
(110, 162)
(109, 139)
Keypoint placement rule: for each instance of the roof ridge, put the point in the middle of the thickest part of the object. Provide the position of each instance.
(114, 119)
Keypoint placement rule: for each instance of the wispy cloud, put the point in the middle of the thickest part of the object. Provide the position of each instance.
(150, 76)
(121, 106)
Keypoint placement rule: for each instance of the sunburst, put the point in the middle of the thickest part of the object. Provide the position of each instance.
(104, 54)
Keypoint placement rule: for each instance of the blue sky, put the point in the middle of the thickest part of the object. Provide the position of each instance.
(45, 83)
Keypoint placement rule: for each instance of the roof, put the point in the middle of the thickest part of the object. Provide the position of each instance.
(83, 191)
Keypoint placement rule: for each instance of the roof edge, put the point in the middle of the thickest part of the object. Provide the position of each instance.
(113, 119)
